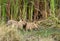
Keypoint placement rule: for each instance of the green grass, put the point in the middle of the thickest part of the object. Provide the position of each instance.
(20, 9)
(24, 9)
(3, 9)
(16, 9)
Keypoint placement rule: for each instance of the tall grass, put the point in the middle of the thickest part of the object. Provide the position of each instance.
(20, 9)
(12, 9)
(3, 9)
(15, 9)
(46, 8)
(52, 5)
(30, 11)
(23, 9)
(0, 12)
(0, 9)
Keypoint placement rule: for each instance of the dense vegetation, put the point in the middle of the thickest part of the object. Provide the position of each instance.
(46, 13)
(28, 10)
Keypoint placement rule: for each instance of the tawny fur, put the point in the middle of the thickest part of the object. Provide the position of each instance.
(12, 23)
(31, 26)
(21, 23)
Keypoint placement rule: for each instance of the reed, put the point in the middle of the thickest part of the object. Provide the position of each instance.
(25, 2)
(12, 9)
(0, 12)
(53, 14)
(52, 6)
(23, 9)
(30, 10)
(46, 15)
(3, 9)
(15, 9)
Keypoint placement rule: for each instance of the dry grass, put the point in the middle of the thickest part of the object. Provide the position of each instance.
(9, 34)
(13, 34)
(47, 28)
